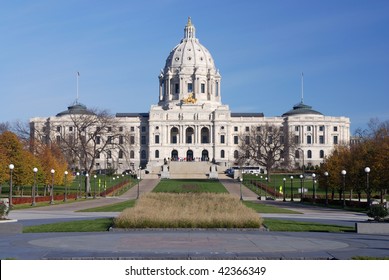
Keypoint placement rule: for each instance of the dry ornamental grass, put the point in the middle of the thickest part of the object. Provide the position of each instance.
(188, 210)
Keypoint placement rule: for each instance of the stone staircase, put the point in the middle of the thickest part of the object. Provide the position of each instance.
(189, 169)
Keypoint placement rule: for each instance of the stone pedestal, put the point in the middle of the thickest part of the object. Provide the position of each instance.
(213, 173)
(165, 174)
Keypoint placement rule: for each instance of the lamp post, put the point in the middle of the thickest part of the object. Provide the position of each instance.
(86, 185)
(79, 184)
(291, 188)
(367, 170)
(256, 181)
(65, 198)
(52, 171)
(35, 170)
(94, 191)
(301, 187)
(326, 175)
(260, 188)
(137, 194)
(241, 195)
(313, 185)
(343, 172)
(11, 168)
(284, 190)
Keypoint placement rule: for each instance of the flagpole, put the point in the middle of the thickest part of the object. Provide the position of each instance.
(78, 74)
(302, 87)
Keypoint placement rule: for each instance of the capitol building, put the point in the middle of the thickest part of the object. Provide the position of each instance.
(189, 121)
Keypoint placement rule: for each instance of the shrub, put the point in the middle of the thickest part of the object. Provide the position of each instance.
(377, 212)
(4, 209)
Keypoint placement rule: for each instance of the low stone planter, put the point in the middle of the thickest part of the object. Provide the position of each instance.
(10, 226)
(372, 228)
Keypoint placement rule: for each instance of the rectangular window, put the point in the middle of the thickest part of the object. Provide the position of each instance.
(58, 140)
(174, 139)
(236, 140)
(321, 128)
(335, 140)
(296, 128)
(120, 128)
(143, 140)
(109, 140)
(309, 128)
(297, 139)
(202, 88)
(247, 128)
(132, 140)
(109, 129)
(109, 154)
(120, 154)
(70, 128)
(176, 88)
(335, 128)
(121, 139)
(258, 128)
(309, 139)
(321, 139)
(98, 140)
(132, 128)
(156, 139)
(222, 139)
(247, 140)
(143, 129)
(190, 87)
(235, 128)
(58, 129)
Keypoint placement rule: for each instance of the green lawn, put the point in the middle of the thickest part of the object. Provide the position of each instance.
(288, 225)
(264, 208)
(190, 186)
(116, 207)
(73, 226)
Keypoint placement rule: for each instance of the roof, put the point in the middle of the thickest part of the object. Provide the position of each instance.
(132, 115)
(76, 109)
(247, 115)
(301, 109)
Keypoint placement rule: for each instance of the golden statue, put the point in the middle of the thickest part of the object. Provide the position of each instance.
(189, 100)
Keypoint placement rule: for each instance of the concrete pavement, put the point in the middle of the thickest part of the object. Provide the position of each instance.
(188, 244)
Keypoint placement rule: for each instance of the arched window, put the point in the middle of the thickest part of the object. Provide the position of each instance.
(132, 154)
(222, 154)
(204, 135)
(309, 154)
(121, 153)
(236, 154)
(189, 135)
(156, 153)
(174, 135)
(321, 154)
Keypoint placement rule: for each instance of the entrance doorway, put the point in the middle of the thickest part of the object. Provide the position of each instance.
(204, 155)
(189, 155)
(174, 155)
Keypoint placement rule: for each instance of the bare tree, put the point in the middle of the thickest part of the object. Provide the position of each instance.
(93, 133)
(268, 146)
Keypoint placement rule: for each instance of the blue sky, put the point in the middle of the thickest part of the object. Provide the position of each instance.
(260, 47)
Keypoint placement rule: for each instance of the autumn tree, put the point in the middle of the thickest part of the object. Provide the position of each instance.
(269, 146)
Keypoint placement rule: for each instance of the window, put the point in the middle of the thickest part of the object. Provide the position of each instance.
(97, 155)
(247, 140)
(222, 154)
(176, 88)
(222, 139)
(335, 128)
(202, 88)
(258, 128)
(58, 140)
(335, 139)
(70, 128)
(109, 140)
(132, 128)
(309, 139)
(132, 154)
(217, 89)
(98, 140)
(156, 139)
(236, 154)
(121, 154)
(236, 140)
(321, 139)
(120, 128)
(109, 129)
(143, 154)
(235, 128)
(143, 140)
(143, 129)
(132, 140)
(247, 129)
(156, 153)
(309, 154)
(296, 128)
(270, 139)
(321, 154)
(297, 154)
(321, 128)
(190, 87)
(109, 154)
(309, 128)
(121, 139)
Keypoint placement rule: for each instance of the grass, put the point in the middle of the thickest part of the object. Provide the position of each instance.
(190, 186)
(116, 207)
(74, 226)
(369, 258)
(287, 225)
(264, 208)
(188, 210)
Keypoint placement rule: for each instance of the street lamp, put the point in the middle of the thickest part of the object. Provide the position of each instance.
(86, 185)
(11, 168)
(343, 172)
(291, 188)
(301, 187)
(94, 191)
(260, 188)
(65, 198)
(326, 175)
(313, 185)
(241, 195)
(52, 171)
(35, 170)
(367, 170)
(79, 185)
(256, 181)
(137, 195)
(284, 190)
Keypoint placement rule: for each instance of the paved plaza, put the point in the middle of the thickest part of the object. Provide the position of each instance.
(188, 244)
